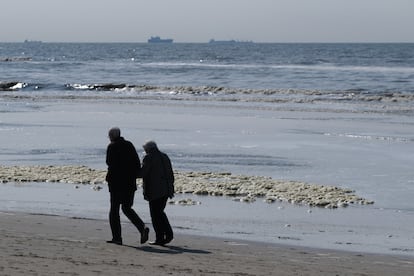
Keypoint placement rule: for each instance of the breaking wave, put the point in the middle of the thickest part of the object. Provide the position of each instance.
(346, 95)
(352, 100)
(11, 86)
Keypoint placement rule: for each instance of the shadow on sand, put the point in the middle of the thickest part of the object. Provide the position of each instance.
(169, 249)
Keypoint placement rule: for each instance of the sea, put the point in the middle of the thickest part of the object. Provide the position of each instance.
(338, 114)
(358, 68)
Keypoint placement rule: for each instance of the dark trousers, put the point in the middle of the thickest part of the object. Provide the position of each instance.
(124, 201)
(162, 227)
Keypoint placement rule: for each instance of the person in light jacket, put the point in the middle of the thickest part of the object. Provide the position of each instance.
(158, 186)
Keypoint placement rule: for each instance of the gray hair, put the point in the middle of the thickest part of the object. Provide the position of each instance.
(114, 133)
(149, 145)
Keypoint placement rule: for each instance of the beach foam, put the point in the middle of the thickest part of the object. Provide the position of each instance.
(240, 187)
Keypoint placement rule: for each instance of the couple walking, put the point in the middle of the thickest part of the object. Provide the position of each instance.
(124, 168)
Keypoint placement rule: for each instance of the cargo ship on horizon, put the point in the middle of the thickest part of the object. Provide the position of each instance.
(213, 41)
(157, 39)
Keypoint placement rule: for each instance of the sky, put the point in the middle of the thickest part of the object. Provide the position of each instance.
(202, 20)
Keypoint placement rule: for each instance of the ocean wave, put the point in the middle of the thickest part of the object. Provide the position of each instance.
(334, 67)
(360, 92)
(105, 87)
(371, 137)
(15, 59)
(13, 85)
(259, 95)
(355, 100)
(203, 64)
(318, 65)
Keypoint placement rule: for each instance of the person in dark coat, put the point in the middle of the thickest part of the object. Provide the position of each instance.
(123, 168)
(158, 186)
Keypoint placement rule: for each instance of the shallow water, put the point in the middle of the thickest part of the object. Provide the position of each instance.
(369, 153)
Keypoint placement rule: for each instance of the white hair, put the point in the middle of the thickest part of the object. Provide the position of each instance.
(149, 145)
(114, 133)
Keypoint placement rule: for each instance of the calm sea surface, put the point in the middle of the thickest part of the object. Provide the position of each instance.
(361, 68)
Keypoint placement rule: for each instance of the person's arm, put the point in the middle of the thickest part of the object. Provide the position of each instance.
(136, 161)
(144, 174)
(108, 162)
(169, 175)
(146, 166)
(108, 155)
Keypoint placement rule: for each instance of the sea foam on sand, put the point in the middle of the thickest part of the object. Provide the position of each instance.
(242, 187)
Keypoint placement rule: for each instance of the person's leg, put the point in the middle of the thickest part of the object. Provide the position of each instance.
(162, 227)
(156, 214)
(114, 219)
(165, 224)
(131, 214)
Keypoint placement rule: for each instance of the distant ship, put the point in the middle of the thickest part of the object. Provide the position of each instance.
(212, 41)
(33, 41)
(157, 39)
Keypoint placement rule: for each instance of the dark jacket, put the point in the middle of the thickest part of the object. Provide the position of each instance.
(123, 166)
(157, 175)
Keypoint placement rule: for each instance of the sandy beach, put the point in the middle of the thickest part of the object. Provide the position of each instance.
(34, 244)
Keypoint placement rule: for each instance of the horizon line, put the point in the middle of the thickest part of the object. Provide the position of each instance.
(208, 42)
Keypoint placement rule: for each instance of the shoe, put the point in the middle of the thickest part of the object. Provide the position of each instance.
(118, 242)
(161, 243)
(168, 240)
(144, 235)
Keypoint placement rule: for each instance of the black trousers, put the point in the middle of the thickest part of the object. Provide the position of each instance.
(125, 202)
(159, 219)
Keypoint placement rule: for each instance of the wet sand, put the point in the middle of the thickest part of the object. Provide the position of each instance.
(53, 245)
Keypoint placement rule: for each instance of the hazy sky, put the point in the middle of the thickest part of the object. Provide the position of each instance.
(201, 20)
